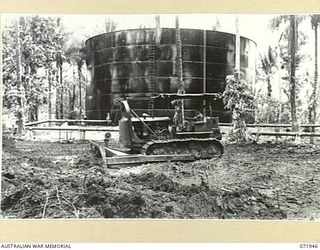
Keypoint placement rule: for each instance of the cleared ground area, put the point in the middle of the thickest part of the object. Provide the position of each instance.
(257, 181)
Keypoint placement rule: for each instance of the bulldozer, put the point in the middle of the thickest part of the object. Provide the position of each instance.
(145, 139)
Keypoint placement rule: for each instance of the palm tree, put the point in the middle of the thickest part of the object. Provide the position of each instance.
(19, 113)
(268, 62)
(315, 21)
(110, 25)
(291, 56)
(293, 65)
(75, 55)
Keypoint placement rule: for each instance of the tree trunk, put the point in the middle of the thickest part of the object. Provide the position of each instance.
(280, 98)
(61, 94)
(36, 110)
(179, 118)
(57, 96)
(313, 113)
(72, 98)
(19, 113)
(80, 90)
(239, 130)
(33, 112)
(49, 97)
(268, 98)
(315, 73)
(72, 93)
(293, 42)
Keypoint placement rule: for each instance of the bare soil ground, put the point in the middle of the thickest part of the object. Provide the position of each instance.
(257, 181)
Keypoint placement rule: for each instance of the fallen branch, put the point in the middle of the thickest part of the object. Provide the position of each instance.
(58, 197)
(76, 211)
(45, 205)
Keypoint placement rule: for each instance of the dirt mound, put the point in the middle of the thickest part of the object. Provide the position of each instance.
(166, 197)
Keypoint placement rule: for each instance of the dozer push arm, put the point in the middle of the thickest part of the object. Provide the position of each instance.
(127, 136)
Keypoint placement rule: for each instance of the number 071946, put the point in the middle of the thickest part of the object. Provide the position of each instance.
(309, 246)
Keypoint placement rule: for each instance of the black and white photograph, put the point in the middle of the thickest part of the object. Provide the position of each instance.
(160, 116)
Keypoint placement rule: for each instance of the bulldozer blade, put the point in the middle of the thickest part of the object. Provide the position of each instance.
(140, 159)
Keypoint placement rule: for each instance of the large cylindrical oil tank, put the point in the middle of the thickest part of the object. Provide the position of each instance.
(136, 64)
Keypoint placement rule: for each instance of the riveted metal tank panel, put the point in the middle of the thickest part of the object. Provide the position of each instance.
(120, 64)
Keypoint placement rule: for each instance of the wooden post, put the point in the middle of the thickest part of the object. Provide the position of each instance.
(258, 133)
(276, 130)
(82, 134)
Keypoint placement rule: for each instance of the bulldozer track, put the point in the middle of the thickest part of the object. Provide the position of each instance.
(199, 148)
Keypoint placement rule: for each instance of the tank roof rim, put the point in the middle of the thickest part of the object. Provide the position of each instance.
(145, 29)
